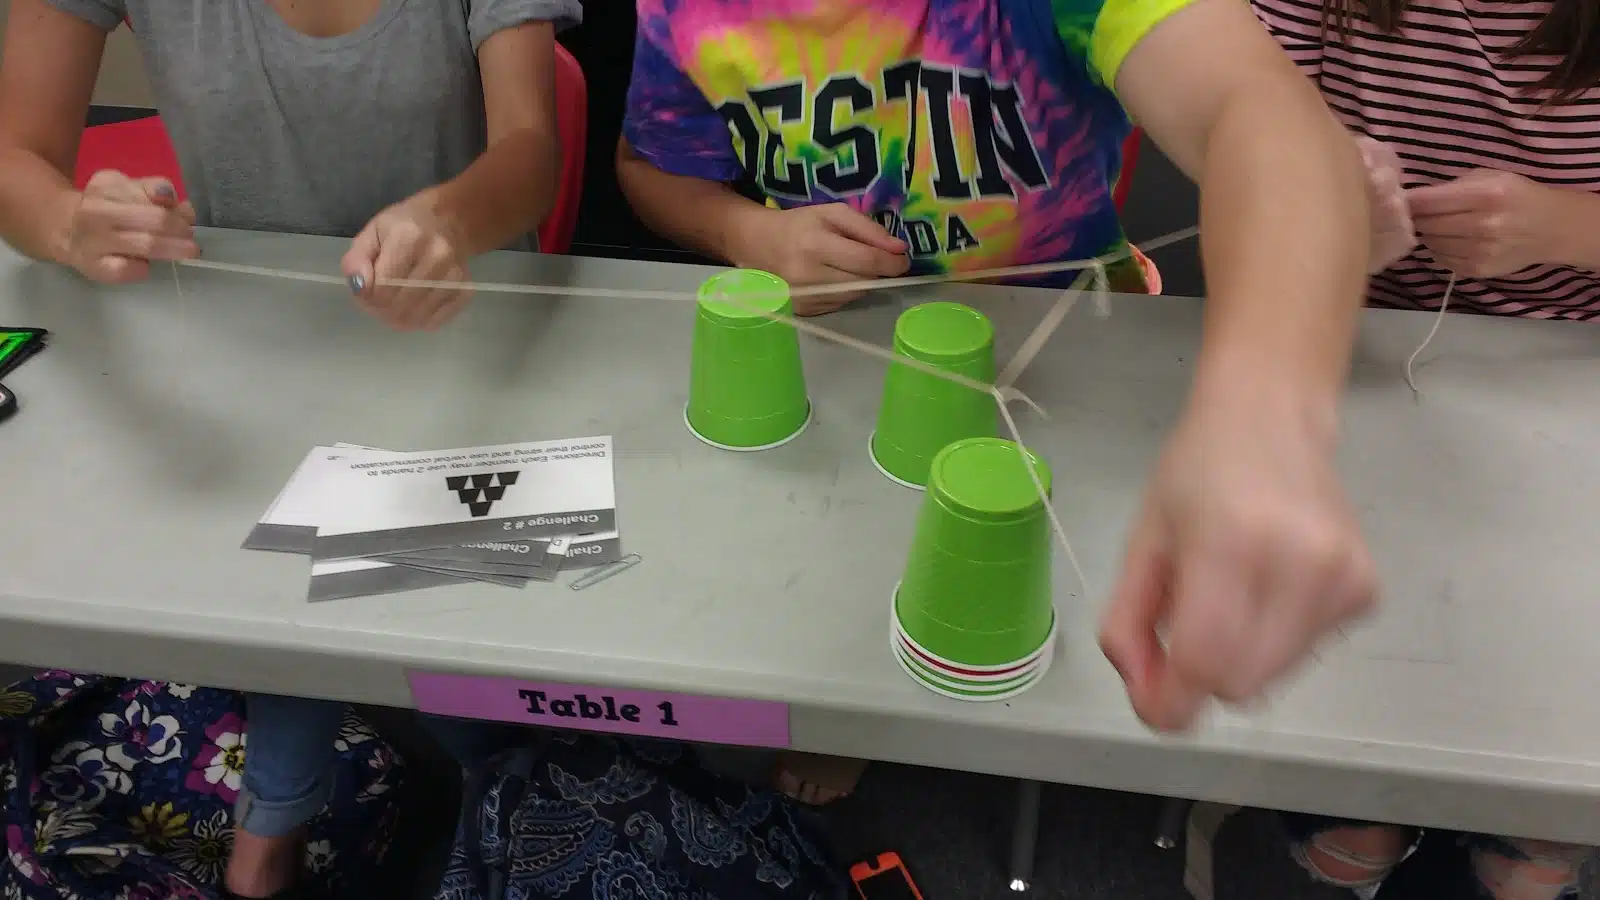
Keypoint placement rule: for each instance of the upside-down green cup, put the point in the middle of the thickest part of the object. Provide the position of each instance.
(976, 589)
(747, 388)
(921, 413)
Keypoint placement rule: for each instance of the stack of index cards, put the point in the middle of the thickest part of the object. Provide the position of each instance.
(379, 522)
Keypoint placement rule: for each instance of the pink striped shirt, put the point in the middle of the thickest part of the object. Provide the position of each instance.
(1447, 96)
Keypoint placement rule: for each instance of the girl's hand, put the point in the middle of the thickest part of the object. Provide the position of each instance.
(823, 244)
(1244, 556)
(1486, 224)
(409, 240)
(120, 225)
(1393, 233)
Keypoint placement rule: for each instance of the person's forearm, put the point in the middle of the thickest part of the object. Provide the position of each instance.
(505, 194)
(1284, 229)
(36, 204)
(699, 215)
(1577, 229)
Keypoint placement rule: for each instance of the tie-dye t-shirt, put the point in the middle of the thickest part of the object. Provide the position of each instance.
(982, 132)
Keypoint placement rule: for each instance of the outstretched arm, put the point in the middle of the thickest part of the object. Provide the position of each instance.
(1245, 552)
(1284, 219)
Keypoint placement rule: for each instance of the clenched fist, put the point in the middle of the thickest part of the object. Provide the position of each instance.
(120, 225)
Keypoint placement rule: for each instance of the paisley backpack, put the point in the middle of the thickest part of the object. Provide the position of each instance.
(117, 789)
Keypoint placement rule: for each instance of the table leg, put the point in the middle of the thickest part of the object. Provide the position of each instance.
(1173, 818)
(1199, 857)
(1025, 835)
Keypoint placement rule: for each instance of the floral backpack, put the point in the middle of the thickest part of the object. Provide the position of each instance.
(585, 817)
(117, 789)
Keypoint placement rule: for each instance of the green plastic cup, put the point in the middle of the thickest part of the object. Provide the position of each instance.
(976, 589)
(921, 413)
(747, 387)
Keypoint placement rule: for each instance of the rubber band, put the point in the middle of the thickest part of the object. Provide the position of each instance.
(1003, 392)
(818, 290)
(1052, 320)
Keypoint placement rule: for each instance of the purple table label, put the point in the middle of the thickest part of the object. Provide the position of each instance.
(684, 717)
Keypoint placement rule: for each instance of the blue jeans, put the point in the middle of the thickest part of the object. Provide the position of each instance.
(288, 761)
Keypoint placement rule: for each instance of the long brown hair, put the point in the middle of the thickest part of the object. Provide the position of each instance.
(1571, 31)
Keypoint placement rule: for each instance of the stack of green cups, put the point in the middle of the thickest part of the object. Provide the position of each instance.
(747, 388)
(973, 617)
(922, 413)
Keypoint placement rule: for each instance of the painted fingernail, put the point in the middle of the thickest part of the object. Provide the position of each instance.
(357, 284)
(165, 192)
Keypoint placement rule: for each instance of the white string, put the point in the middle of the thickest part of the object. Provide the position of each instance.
(183, 313)
(1051, 321)
(1059, 529)
(1437, 321)
(819, 290)
(1003, 392)
(1030, 348)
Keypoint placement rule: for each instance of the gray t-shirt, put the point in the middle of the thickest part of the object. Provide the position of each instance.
(279, 131)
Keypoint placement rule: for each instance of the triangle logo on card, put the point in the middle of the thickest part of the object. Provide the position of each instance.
(479, 492)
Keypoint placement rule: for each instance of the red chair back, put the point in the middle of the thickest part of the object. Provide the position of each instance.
(1130, 156)
(572, 124)
(137, 148)
(1119, 196)
(141, 149)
